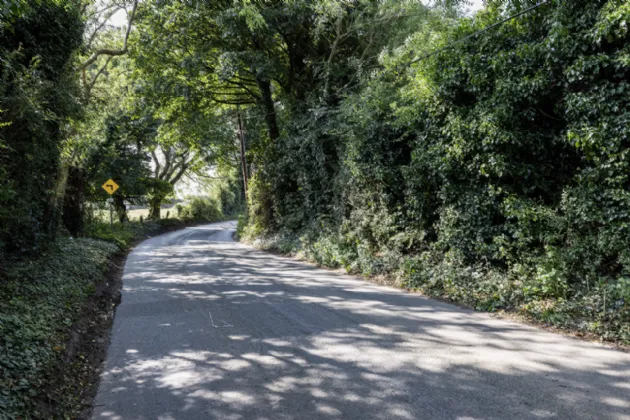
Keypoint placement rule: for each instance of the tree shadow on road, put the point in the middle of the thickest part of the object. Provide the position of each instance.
(217, 330)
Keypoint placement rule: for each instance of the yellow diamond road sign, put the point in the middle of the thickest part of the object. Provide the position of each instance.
(110, 186)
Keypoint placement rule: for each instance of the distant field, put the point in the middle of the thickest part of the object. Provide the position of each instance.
(135, 214)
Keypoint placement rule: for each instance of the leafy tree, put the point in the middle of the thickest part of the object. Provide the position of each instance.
(103, 41)
(243, 53)
(123, 157)
(103, 53)
(158, 191)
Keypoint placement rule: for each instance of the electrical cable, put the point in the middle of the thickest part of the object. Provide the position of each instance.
(494, 25)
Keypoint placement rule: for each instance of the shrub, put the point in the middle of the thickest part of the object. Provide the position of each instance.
(202, 209)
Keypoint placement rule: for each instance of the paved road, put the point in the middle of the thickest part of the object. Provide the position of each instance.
(212, 329)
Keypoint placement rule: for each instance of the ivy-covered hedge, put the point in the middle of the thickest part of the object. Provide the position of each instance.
(39, 300)
(495, 172)
(38, 94)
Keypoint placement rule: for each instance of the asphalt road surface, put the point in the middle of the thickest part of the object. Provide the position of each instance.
(212, 329)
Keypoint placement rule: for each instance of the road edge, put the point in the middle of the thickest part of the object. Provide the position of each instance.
(390, 282)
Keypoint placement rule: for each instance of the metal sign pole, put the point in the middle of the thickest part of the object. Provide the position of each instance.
(111, 212)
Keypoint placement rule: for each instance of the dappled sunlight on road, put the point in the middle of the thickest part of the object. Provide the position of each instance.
(209, 328)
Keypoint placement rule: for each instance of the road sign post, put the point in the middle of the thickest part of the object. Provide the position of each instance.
(110, 201)
(110, 187)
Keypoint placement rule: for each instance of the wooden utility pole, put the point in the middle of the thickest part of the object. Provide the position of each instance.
(241, 137)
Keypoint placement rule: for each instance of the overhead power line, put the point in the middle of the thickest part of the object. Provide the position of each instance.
(486, 29)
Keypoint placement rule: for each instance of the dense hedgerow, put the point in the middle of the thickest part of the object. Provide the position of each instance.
(201, 209)
(495, 172)
(38, 94)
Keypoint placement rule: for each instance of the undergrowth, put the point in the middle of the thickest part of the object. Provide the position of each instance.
(125, 234)
(39, 300)
(600, 309)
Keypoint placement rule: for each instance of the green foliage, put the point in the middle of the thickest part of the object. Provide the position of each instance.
(494, 172)
(202, 209)
(227, 190)
(125, 235)
(42, 297)
(10, 10)
(240, 226)
(39, 299)
(121, 234)
(260, 207)
(158, 190)
(37, 96)
(121, 156)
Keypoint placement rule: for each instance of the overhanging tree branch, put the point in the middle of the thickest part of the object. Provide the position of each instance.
(110, 52)
(90, 86)
(234, 102)
(101, 25)
(182, 171)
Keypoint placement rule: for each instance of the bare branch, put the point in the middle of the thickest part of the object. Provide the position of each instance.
(157, 163)
(245, 88)
(105, 51)
(90, 86)
(243, 102)
(102, 24)
(168, 162)
(179, 175)
(99, 12)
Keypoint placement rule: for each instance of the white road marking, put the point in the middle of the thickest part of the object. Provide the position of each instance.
(225, 324)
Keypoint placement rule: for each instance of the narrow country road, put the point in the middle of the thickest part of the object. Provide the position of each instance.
(211, 329)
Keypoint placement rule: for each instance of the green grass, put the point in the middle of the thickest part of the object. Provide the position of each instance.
(125, 234)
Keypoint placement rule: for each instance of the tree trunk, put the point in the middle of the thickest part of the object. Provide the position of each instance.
(73, 201)
(155, 204)
(241, 137)
(120, 208)
(269, 108)
(54, 204)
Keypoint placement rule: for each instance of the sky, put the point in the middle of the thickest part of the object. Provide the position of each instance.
(476, 4)
(119, 18)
